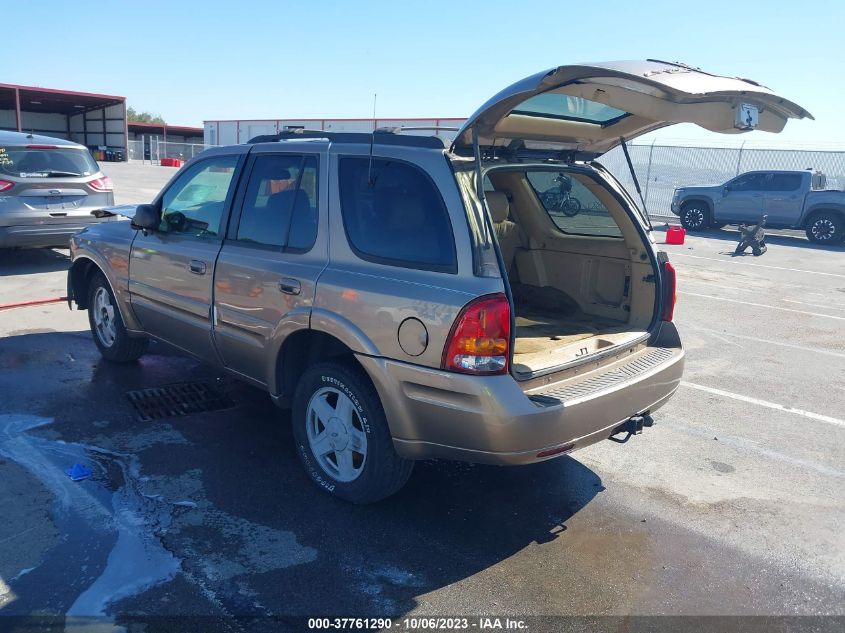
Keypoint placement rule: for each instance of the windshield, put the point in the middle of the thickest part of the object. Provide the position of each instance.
(30, 162)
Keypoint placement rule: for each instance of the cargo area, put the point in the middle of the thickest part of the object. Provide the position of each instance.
(580, 276)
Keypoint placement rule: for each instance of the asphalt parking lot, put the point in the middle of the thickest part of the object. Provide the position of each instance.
(732, 504)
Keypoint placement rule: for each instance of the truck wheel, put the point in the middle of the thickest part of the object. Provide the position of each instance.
(107, 327)
(695, 216)
(825, 228)
(342, 436)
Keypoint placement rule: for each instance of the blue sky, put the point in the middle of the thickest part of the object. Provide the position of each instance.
(215, 59)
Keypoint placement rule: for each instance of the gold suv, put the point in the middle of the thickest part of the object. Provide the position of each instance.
(497, 300)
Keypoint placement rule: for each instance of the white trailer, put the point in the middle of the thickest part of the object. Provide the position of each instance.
(235, 131)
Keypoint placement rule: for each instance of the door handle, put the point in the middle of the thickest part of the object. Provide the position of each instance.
(290, 286)
(197, 267)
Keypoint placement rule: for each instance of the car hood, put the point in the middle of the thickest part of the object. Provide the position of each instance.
(591, 108)
(120, 210)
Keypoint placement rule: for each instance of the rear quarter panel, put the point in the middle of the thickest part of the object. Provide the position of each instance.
(823, 201)
(364, 303)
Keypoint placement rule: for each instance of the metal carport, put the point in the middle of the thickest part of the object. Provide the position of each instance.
(97, 121)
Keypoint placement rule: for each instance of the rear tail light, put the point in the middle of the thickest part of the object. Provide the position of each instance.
(101, 184)
(5, 184)
(667, 313)
(480, 337)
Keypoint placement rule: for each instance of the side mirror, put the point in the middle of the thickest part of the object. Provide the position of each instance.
(726, 190)
(146, 217)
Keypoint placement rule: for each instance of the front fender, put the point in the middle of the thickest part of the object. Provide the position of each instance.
(697, 197)
(113, 262)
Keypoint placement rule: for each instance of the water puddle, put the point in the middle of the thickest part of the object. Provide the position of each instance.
(110, 548)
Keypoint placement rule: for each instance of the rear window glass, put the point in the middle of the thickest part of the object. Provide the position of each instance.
(280, 205)
(26, 162)
(394, 215)
(785, 182)
(571, 205)
(557, 106)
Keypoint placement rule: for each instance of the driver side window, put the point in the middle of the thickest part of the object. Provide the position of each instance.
(749, 182)
(193, 205)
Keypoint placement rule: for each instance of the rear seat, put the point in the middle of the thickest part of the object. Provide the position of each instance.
(509, 234)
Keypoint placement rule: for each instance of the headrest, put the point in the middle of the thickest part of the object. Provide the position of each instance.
(498, 204)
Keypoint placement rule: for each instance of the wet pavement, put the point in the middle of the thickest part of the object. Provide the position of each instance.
(725, 507)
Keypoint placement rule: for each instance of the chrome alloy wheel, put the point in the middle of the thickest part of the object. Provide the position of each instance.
(694, 217)
(336, 435)
(823, 229)
(103, 315)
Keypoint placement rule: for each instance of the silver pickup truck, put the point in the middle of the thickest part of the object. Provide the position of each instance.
(790, 199)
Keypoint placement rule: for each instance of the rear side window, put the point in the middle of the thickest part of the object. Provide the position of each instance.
(280, 204)
(394, 215)
(29, 162)
(785, 182)
(571, 205)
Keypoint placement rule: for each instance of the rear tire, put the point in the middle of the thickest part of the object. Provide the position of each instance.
(342, 436)
(107, 326)
(571, 207)
(825, 228)
(695, 216)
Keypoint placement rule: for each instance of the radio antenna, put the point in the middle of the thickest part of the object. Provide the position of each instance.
(370, 182)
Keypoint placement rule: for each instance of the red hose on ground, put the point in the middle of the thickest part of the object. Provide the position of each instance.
(34, 302)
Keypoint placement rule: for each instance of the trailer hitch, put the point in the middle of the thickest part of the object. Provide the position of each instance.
(633, 426)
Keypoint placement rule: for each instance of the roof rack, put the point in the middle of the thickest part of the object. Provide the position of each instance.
(379, 136)
(416, 128)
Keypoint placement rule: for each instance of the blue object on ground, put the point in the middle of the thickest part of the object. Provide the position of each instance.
(78, 472)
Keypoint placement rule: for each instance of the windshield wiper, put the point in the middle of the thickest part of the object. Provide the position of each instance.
(53, 173)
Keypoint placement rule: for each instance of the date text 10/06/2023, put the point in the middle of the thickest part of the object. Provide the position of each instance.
(423, 623)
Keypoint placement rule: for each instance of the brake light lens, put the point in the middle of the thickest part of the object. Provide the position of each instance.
(669, 292)
(5, 184)
(101, 184)
(480, 338)
(42, 147)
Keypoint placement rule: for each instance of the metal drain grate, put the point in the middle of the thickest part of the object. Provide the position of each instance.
(186, 398)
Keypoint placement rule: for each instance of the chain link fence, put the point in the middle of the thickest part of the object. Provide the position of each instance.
(153, 149)
(661, 169)
(136, 150)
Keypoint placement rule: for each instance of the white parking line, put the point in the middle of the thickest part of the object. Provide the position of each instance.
(750, 445)
(815, 305)
(761, 305)
(732, 261)
(802, 348)
(685, 279)
(765, 403)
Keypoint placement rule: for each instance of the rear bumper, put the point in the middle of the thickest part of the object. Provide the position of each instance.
(437, 414)
(41, 235)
